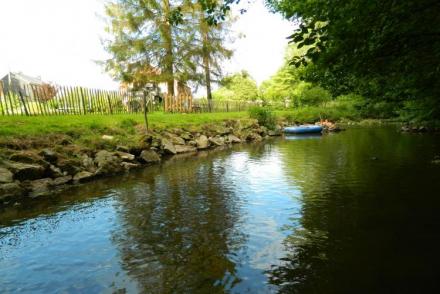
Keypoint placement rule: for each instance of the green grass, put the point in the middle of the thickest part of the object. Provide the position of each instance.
(21, 126)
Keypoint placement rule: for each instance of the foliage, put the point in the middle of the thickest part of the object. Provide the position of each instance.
(238, 86)
(159, 41)
(313, 96)
(146, 45)
(208, 49)
(264, 116)
(387, 51)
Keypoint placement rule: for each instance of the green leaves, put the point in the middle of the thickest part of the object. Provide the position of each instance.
(385, 50)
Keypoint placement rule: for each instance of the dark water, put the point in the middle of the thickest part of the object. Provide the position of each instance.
(355, 212)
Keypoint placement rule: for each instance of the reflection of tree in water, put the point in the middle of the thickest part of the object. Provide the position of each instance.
(356, 232)
(179, 228)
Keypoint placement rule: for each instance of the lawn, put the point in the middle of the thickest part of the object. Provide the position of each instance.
(19, 126)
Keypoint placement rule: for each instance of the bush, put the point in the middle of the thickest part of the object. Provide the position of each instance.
(314, 96)
(264, 116)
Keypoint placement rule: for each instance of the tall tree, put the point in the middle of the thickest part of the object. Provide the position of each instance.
(209, 48)
(146, 42)
(385, 50)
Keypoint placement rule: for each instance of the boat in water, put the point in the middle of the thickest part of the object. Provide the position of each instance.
(303, 129)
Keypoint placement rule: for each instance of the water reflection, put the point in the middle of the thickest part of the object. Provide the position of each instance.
(354, 212)
(368, 220)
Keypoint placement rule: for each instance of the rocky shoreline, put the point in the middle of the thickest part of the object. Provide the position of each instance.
(39, 171)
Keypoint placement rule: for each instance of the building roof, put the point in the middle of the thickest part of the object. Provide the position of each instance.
(24, 78)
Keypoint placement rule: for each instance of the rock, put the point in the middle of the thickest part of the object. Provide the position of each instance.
(405, 129)
(49, 155)
(168, 147)
(40, 187)
(273, 133)
(221, 130)
(125, 156)
(25, 171)
(69, 166)
(129, 165)
(185, 148)
(192, 143)
(107, 162)
(10, 190)
(55, 172)
(233, 139)
(123, 149)
(107, 137)
(88, 163)
(422, 129)
(6, 176)
(83, 176)
(28, 157)
(218, 141)
(186, 136)
(177, 140)
(202, 142)
(254, 137)
(149, 156)
(62, 180)
(156, 142)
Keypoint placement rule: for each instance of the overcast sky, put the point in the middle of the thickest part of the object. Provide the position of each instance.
(59, 40)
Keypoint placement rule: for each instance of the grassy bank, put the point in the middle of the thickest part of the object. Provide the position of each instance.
(18, 126)
(86, 130)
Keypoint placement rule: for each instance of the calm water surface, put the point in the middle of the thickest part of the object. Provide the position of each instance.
(355, 212)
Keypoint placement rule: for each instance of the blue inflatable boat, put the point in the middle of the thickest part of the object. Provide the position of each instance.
(303, 129)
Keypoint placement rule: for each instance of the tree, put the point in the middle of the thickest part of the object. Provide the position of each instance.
(385, 50)
(146, 43)
(238, 86)
(209, 49)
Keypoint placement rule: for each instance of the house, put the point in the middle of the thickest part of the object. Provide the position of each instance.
(17, 82)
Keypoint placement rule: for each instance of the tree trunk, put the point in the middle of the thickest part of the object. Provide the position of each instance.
(168, 40)
(206, 64)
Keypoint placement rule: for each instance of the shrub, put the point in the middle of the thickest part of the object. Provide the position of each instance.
(314, 96)
(264, 116)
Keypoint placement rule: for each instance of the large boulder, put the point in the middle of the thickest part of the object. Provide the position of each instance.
(107, 163)
(25, 171)
(149, 156)
(217, 141)
(5, 176)
(168, 147)
(202, 142)
(185, 148)
(83, 176)
(10, 190)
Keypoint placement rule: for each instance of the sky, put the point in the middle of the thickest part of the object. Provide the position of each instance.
(60, 41)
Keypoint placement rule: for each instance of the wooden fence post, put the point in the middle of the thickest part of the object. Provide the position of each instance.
(24, 103)
(109, 104)
(82, 100)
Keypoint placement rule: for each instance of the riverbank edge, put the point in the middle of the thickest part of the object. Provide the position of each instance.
(38, 171)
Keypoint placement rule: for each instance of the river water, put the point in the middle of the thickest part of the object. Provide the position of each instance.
(354, 212)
